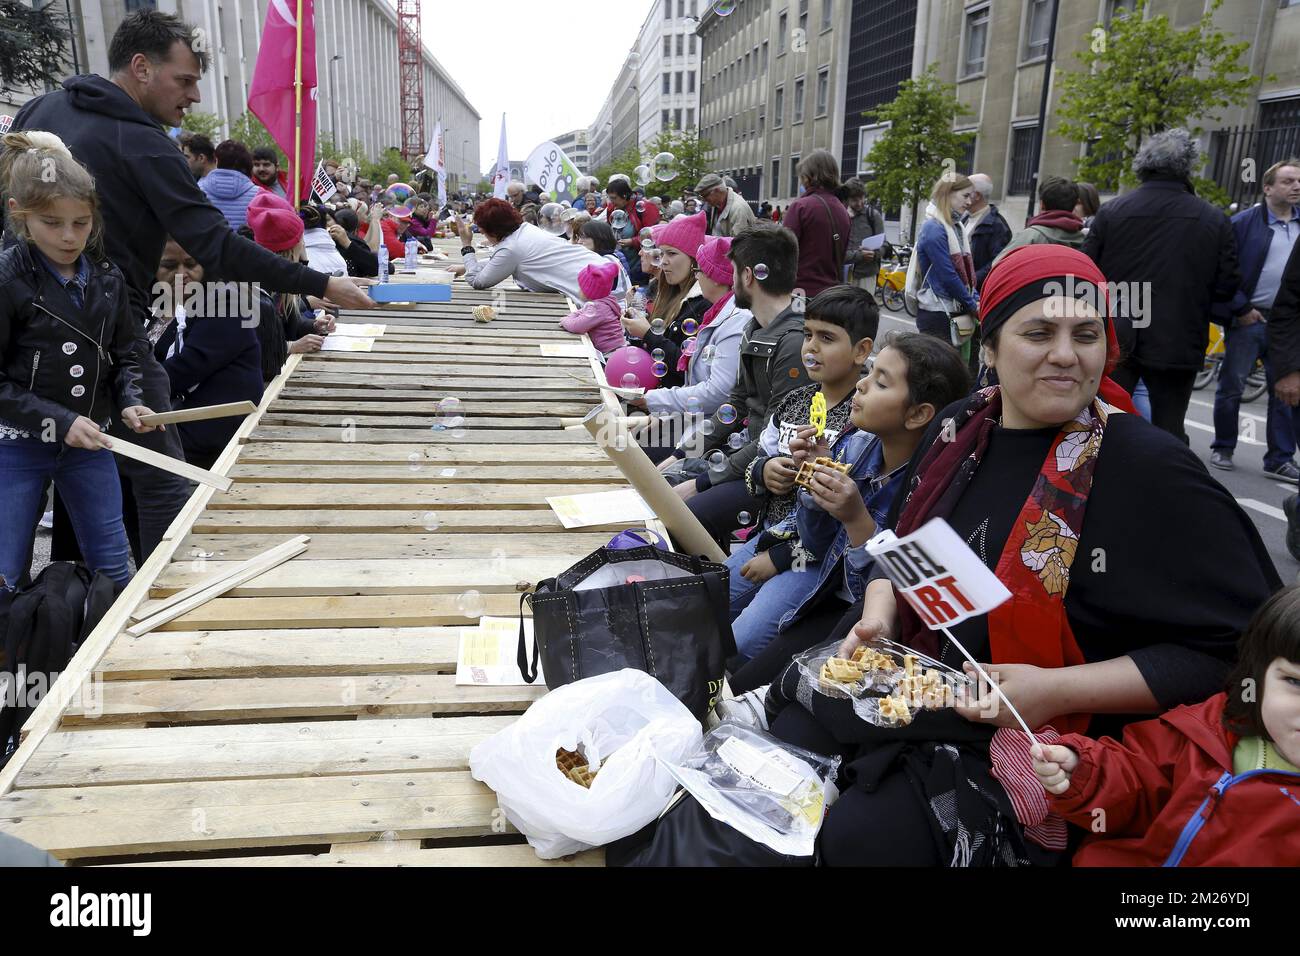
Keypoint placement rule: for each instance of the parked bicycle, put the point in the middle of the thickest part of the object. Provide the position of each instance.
(1256, 383)
(891, 279)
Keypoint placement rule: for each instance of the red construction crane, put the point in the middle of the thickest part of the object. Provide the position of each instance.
(410, 65)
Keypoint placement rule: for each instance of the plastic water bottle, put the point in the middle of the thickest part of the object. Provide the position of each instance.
(412, 254)
(383, 262)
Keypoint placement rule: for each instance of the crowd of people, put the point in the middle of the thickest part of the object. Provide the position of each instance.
(753, 338)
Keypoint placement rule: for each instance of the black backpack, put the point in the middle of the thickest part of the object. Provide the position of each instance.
(41, 627)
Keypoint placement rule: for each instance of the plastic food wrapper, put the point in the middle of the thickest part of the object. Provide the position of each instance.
(773, 792)
(887, 682)
(608, 783)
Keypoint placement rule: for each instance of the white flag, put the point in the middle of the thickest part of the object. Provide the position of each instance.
(502, 177)
(936, 573)
(321, 185)
(436, 161)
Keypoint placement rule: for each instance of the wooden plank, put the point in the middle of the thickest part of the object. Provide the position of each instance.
(301, 452)
(297, 653)
(374, 403)
(201, 414)
(362, 417)
(248, 751)
(377, 610)
(218, 580)
(368, 543)
(148, 456)
(508, 855)
(150, 617)
(371, 497)
(153, 818)
(323, 375)
(358, 364)
(282, 698)
(375, 434)
(396, 576)
(465, 358)
(422, 472)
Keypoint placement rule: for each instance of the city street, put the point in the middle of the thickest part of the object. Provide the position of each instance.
(1258, 494)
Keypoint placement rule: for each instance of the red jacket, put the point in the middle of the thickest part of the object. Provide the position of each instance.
(816, 218)
(1170, 797)
(388, 226)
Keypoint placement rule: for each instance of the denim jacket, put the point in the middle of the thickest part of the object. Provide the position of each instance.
(821, 534)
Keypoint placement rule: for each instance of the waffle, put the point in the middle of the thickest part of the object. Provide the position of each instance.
(483, 313)
(895, 709)
(807, 470)
(839, 671)
(583, 776)
(873, 660)
(574, 766)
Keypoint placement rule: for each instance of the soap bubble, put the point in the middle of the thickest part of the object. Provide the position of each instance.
(745, 519)
(709, 352)
(724, 8)
(809, 360)
(640, 207)
(706, 427)
(633, 356)
(692, 406)
(737, 440)
(657, 326)
(630, 380)
(665, 167)
(471, 604)
(798, 302)
(717, 461)
(760, 271)
(431, 521)
(618, 220)
(657, 355)
(727, 414)
(690, 326)
(416, 460)
(647, 233)
(659, 369)
(455, 421)
(459, 433)
(647, 244)
(643, 175)
(449, 406)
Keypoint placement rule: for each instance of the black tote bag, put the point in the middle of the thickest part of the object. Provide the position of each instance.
(674, 624)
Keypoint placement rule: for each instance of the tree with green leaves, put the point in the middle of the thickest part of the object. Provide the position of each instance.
(34, 46)
(690, 152)
(1140, 76)
(206, 124)
(626, 162)
(919, 144)
(248, 129)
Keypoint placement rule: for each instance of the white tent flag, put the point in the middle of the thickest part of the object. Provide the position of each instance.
(435, 161)
(502, 178)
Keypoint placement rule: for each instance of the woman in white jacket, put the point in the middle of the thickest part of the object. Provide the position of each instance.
(712, 357)
(535, 259)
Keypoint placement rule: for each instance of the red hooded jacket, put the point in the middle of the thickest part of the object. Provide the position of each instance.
(1170, 797)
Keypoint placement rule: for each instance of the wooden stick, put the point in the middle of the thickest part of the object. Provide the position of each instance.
(200, 414)
(218, 578)
(247, 570)
(139, 453)
(637, 468)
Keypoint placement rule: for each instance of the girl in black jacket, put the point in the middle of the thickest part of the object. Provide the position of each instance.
(68, 360)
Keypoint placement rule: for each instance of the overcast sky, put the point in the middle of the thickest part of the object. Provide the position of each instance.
(547, 65)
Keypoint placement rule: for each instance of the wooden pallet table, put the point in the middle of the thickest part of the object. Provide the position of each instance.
(310, 716)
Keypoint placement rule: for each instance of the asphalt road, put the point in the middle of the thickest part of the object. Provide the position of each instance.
(1259, 495)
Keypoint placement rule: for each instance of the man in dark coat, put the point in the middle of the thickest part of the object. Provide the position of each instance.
(987, 230)
(1284, 356)
(1169, 258)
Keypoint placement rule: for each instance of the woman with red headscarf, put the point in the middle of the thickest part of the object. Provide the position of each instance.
(1132, 574)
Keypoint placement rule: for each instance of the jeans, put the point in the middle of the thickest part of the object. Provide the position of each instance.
(88, 483)
(1142, 399)
(1244, 344)
(758, 609)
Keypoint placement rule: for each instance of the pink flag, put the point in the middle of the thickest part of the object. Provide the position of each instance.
(271, 97)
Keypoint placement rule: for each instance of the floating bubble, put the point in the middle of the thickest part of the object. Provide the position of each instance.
(665, 167)
(706, 427)
(690, 326)
(809, 360)
(717, 461)
(745, 519)
(455, 421)
(438, 426)
(724, 8)
(647, 244)
(659, 369)
(760, 271)
(431, 521)
(633, 356)
(459, 433)
(657, 355)
(449, 406)
(640, 207)
(647, 233)
(692, 406)
(736, 440)
(416, 460)
(618, 220)
(657, 326)
(727, 414)
(471, 604)
(643, 175)
(630, 381)
(709, 352)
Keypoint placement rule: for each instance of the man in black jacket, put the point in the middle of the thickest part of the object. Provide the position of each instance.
(1169, 257)
(987, 230)
(1284, 355)
(115, 128)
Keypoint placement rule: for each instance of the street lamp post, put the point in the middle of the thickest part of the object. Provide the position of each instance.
(463, 144)
(334, 102)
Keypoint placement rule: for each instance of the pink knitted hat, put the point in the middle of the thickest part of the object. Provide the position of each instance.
(685, 234)
(275, 224)
(713, 261)
(596, 282)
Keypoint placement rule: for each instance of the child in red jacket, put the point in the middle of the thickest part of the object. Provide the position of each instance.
(1214, 784)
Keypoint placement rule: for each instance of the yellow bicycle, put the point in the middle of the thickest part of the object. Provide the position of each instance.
(891, 279)
(1256, 383)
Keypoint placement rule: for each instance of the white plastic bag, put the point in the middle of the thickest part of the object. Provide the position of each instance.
(619, 721)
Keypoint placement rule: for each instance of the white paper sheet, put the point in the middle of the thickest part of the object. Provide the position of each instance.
(565, 350)
(488, 655)
(359, 331)
(602, 507)
(872, 243)
(346, 343)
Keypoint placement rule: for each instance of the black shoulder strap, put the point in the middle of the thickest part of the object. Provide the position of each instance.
(835, 238)
(529, 671)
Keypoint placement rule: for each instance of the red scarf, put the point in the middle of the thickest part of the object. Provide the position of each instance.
(1031, 627)
(688, 347)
